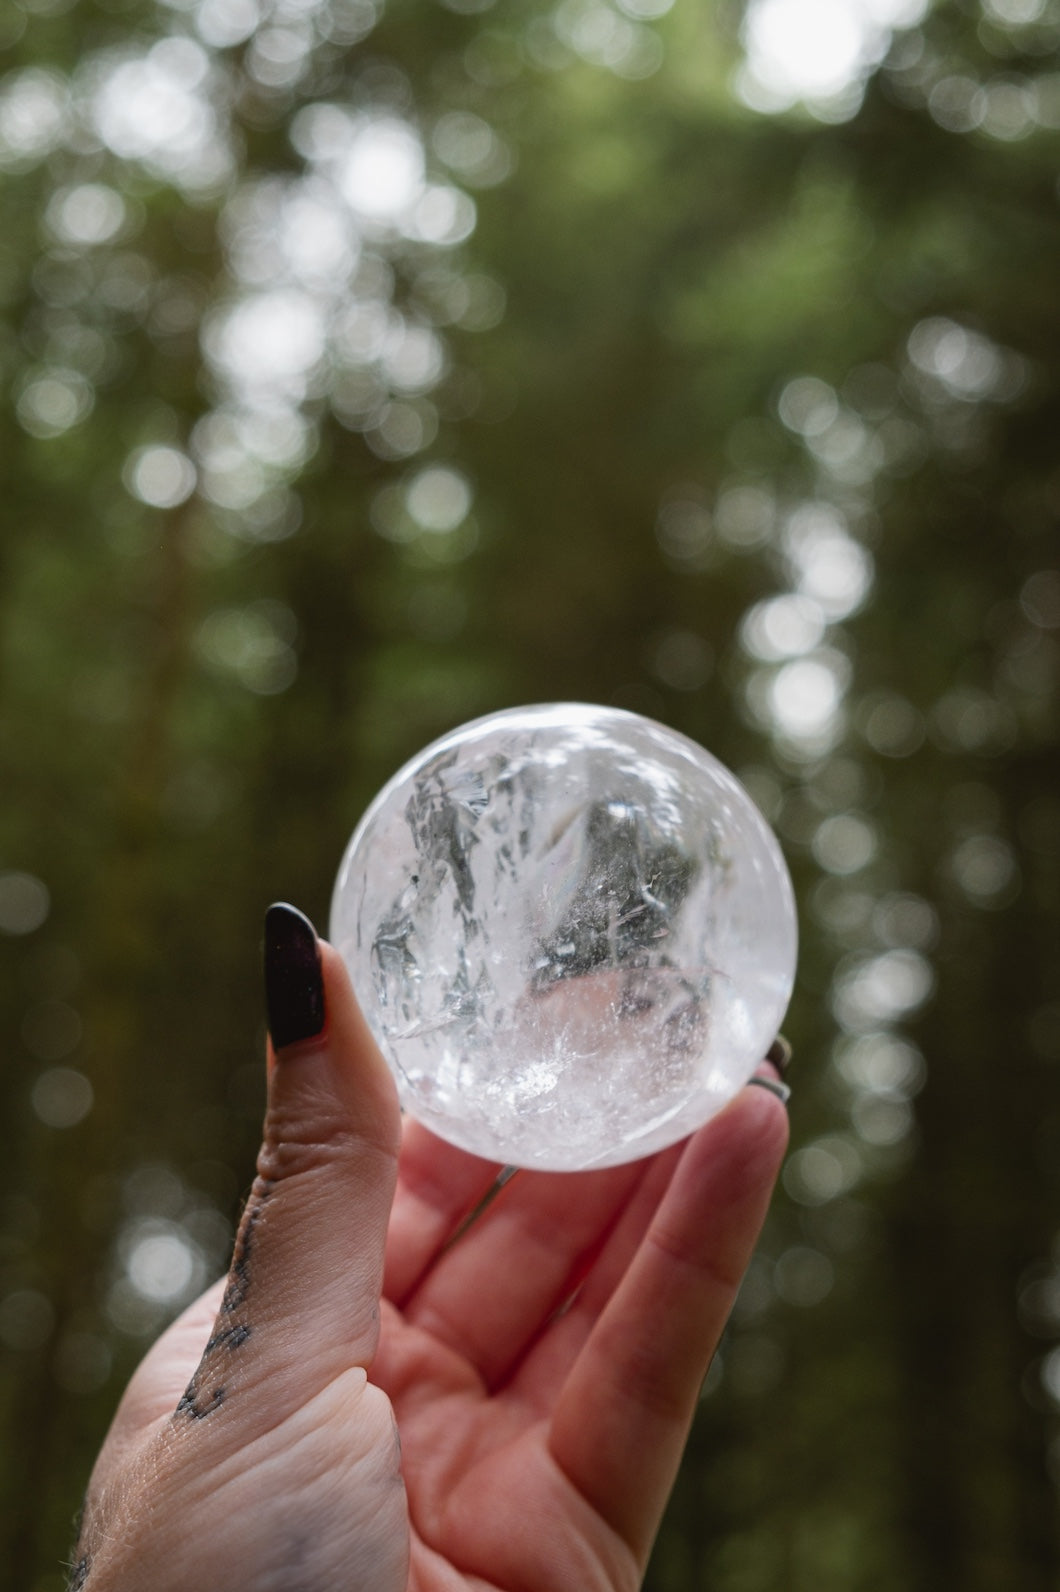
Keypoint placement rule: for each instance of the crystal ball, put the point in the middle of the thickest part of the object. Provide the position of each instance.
(571, 932)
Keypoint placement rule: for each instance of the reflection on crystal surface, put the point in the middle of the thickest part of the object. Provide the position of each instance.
(571, 932)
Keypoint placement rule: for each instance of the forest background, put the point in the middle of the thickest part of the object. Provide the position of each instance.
(367, 367)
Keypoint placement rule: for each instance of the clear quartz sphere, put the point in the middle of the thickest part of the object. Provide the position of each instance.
(571, 932)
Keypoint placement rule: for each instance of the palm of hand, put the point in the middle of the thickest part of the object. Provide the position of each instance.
(477, 1348)
(490, 1510)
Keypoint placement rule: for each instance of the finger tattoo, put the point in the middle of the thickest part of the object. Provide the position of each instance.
(207, 1389)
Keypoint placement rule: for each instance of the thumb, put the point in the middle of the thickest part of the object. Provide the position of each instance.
(301, 1301)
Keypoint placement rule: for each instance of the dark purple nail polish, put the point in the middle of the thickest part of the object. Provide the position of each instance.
(294, 985)
(779, 1053)
(774, 1085)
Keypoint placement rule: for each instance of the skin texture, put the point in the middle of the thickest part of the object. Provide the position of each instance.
(542, 1366)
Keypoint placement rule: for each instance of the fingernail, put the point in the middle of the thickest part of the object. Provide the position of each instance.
(780, 1053)
(774, 1085)
(294, 985)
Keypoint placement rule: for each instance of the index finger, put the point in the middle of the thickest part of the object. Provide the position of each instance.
(438, 1186)
(623, 1415)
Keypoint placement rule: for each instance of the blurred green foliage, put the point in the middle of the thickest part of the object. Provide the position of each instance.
(366, 369)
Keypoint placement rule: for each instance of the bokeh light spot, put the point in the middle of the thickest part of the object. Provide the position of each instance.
(964, 363)
(822, 1171)
(844, 843)
(1040, 599)
(744, 516)
(782, 627)
(253, 643)
(806, 695)
(160, 1262)
(974, 721)
(882, 1121)
(160, 476)
(985, 868)
(401, 429)
(645, 10)
(890, 724)
(223, 23)
(444, 216)
(53, 401)
(906, 919)
(156, 109)
(90, 213)
(881, 1063)
(1050, 1374)
(817, 51)
(382, 173)
(684, 532)
(34, 116)
(803, 1276)
(469, 146)
(869, 990)
(268, 343)
(808, 406)
(438, 498)
(828, 565)
(62, 1097)
(1014, 13)
(413, 358)
(24, 902)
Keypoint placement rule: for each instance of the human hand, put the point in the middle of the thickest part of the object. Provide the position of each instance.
(541, 1366)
